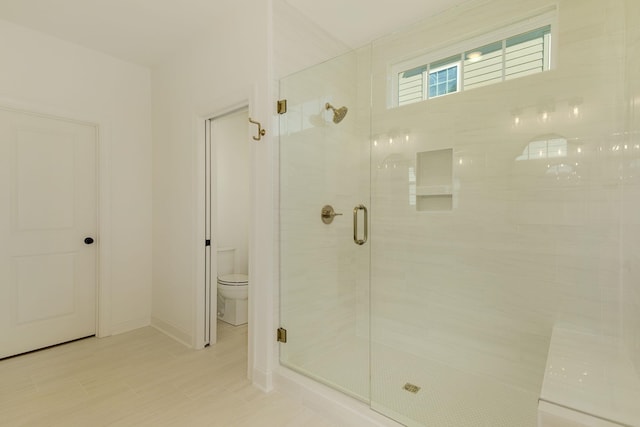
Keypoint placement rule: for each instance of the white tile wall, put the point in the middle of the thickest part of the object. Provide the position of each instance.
(631, 194)
(530, 244)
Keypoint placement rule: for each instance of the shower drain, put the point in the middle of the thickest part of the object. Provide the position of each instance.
(411, 388)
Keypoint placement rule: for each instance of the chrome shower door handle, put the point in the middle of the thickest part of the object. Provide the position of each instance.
(355, 225)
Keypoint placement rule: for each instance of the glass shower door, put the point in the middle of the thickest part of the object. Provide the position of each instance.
(324, 273)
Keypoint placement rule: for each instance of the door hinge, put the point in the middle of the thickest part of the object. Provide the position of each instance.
(282, 335)
(207, 242)
(282, 106)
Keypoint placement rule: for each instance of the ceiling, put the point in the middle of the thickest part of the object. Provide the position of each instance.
(146, 31)
(356, 22)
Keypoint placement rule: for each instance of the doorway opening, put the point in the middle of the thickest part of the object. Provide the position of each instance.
(227, 216)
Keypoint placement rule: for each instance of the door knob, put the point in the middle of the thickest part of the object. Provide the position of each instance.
(88, 240)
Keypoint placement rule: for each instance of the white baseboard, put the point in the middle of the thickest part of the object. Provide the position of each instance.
(174, 332)
(262, 380)
(129, 325)
(551, 415)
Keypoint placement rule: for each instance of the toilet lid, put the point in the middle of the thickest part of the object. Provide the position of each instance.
(234, 279)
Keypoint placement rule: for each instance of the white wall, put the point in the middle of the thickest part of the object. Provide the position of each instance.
(225, 67)
(299, 43)
(44, 74)
(631, 194)
(231, 156)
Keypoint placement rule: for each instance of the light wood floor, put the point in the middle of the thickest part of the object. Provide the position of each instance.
(143, 378)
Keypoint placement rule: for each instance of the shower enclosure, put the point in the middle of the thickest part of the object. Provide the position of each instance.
(481, 257)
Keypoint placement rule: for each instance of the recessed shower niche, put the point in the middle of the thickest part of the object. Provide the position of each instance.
(434, 180)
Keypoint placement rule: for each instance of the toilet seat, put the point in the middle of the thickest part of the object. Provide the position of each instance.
(234, 279)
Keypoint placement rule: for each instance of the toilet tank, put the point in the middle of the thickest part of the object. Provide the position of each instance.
(226, 261)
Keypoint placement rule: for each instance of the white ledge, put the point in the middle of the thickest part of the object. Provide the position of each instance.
(591, 375)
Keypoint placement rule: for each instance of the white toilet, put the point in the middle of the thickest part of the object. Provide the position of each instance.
(233, 290)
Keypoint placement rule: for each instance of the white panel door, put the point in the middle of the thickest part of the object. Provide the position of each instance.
(47, 210)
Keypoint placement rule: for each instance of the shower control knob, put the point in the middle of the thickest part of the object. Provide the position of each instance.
(327, 214)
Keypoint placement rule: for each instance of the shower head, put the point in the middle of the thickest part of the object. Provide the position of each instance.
(338, 113)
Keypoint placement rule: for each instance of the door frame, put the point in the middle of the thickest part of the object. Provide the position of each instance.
(260, 348)
(206, 294)
(103, 325)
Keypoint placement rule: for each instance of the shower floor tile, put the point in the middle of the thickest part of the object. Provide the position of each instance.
(448, 396)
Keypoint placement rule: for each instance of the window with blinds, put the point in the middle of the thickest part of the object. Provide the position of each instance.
(509, 58)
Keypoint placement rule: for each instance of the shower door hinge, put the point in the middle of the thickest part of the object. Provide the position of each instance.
(282, 106)
(282, 335)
